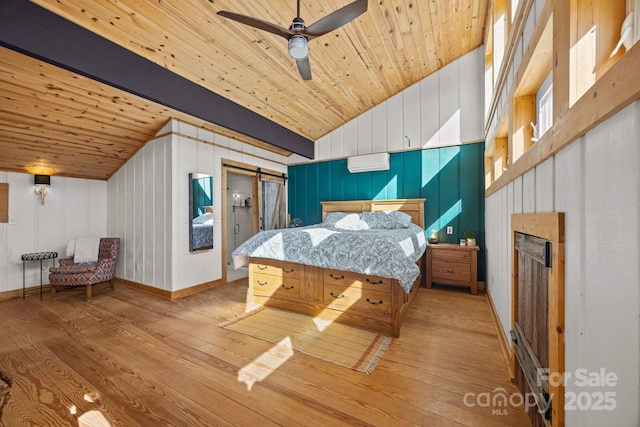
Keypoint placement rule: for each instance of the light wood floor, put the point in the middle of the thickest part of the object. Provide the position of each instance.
(138, 360)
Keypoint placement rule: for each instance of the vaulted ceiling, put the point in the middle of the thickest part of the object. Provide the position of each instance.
(56, 121)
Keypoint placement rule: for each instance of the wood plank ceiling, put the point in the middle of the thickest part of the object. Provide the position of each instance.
(54, 121)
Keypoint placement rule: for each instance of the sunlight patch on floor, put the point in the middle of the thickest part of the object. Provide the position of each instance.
(323, 323)
(93, 397)
(93, 419)
(265, 364)
(326, 317)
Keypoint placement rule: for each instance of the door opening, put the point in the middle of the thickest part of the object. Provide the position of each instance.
(254, 199)
(240, 213)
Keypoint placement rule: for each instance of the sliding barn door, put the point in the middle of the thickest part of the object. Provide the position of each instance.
(538, 315)
(273, 207)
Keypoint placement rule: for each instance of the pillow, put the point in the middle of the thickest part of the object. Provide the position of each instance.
(86, 250)
(206, 218)
(351, 222)
(332, 218)
(71, 248)
(387, 220)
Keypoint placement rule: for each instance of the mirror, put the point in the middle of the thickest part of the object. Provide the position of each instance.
(200, 212)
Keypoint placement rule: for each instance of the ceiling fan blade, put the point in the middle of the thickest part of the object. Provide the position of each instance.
(336, 19)
(258, 23)
(304, 68)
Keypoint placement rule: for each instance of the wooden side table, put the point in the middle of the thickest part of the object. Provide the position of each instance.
(451, 264)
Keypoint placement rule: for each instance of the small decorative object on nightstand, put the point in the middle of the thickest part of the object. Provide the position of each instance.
(452, 264)
(471, 238)
(433, 237)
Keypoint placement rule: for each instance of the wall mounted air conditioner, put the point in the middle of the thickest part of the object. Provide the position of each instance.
(368, 163)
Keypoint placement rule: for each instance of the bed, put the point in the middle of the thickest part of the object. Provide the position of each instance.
(361, 266)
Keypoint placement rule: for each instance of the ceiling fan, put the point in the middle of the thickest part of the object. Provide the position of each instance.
(299, 35)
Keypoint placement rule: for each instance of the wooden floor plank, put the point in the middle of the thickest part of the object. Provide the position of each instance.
(52, 385)
(143, 360)
(263, 398)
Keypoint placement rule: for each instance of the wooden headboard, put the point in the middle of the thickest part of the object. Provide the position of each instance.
(412, 207)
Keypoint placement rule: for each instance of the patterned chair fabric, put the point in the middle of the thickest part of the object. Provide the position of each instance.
(70, 274)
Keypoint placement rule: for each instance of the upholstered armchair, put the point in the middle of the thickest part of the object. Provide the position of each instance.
(70, 275)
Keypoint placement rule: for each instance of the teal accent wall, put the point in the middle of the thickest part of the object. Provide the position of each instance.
(450, 178)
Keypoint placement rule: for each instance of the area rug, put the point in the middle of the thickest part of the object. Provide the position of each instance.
(343, 345)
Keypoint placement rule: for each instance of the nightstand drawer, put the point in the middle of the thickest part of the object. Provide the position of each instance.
(450, 271)
(452, 256)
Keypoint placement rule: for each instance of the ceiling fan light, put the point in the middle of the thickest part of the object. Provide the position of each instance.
(298, 48)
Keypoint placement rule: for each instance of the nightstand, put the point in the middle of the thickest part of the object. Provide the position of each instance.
(450, 264)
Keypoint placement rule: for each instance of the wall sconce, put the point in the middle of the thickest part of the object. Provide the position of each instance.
(41, 182)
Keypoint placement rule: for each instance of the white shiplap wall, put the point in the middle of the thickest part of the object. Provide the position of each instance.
(595, 181)
(73, 208)
(140, 214)
(443, 109)
(148, 205)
